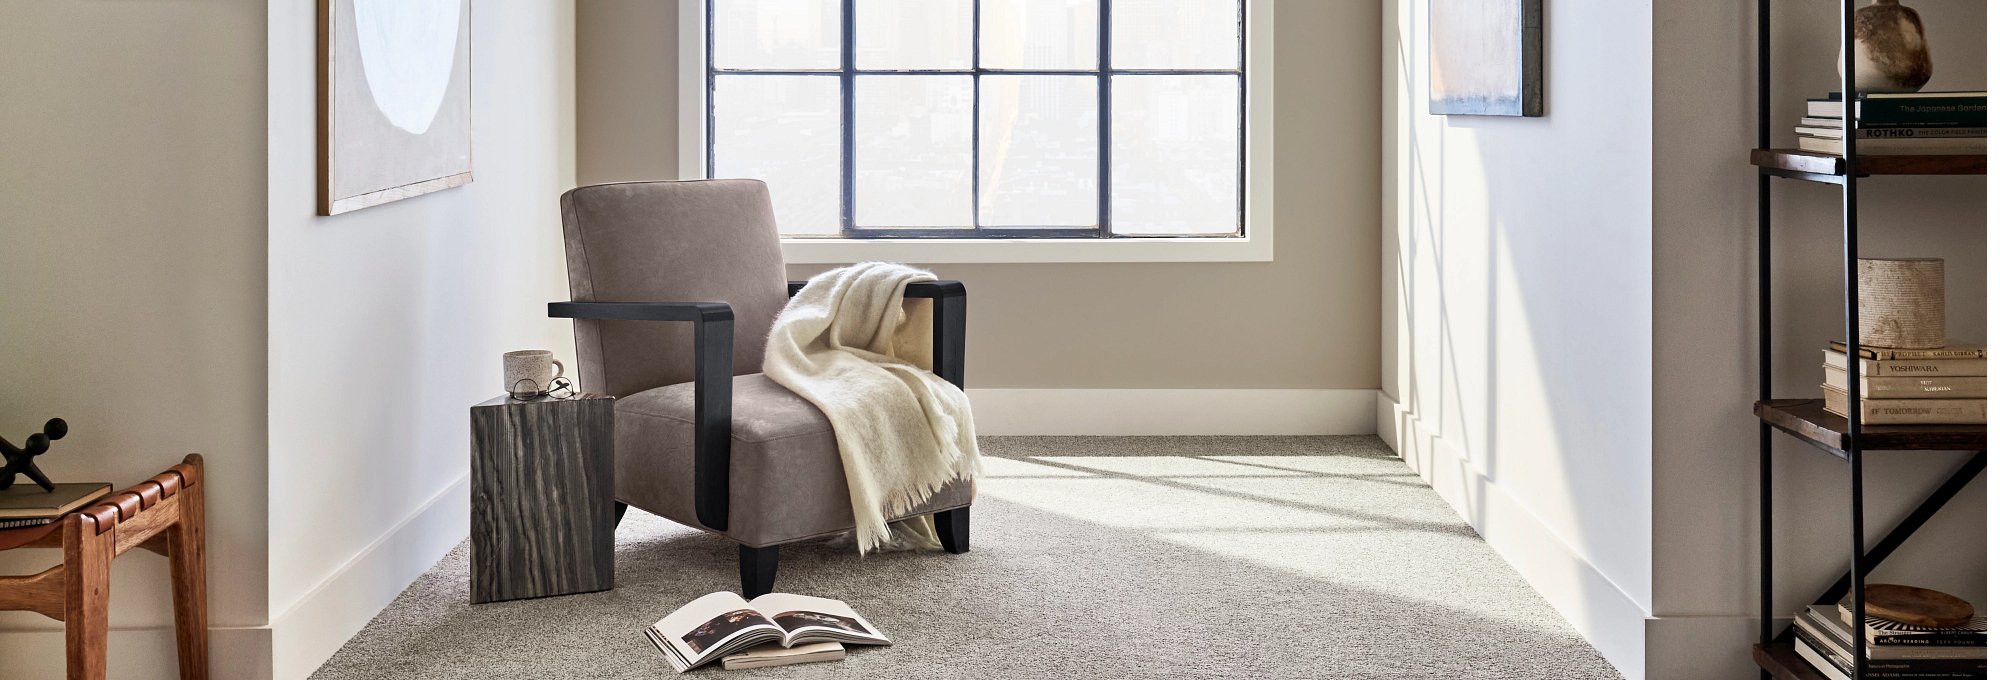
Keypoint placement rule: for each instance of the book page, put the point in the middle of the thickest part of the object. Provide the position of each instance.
(773, 654)
(712, 625)
(817, 618)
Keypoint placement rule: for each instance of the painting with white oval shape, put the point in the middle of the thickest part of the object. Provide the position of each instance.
(1486, 57)
(395, 100)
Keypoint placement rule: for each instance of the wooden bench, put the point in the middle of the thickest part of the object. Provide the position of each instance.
(163, 514)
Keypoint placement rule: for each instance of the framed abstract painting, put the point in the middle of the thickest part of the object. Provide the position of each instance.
(395, 100)
(1486, 57)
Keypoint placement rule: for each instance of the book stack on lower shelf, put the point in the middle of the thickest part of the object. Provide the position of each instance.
(1944, 386)
(1905, 124)
(1826, 641)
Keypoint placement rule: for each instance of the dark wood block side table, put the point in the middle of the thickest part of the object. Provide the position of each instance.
(541, 497)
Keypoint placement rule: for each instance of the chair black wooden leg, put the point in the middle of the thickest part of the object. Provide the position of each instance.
(758, 567)
(617, 513)
(954, 529)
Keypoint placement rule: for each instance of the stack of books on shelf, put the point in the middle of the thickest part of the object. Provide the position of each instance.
(1915, 123)
(1944, 386)
(1895, 650)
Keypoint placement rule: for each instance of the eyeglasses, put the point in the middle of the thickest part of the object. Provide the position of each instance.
(527, 390)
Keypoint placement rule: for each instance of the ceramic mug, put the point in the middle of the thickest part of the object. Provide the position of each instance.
(529, 372)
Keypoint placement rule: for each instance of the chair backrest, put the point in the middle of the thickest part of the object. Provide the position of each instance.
(692, 241)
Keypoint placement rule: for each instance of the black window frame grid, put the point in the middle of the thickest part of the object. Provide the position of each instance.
(1104, 74)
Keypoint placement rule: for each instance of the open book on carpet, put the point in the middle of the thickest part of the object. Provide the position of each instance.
(720, 624)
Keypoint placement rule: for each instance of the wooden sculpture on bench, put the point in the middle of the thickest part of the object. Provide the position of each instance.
(163, 514)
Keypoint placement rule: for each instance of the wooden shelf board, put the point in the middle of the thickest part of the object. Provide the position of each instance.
(1808, 419)
(1784, 663)
(1817, 165)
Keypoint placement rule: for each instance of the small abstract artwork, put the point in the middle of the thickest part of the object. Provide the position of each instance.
(1486, 57)
(395, 107)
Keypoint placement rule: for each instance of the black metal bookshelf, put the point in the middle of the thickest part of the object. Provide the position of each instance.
(1806, 419)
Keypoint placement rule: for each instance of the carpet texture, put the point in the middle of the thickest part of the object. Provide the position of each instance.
(1092, 557)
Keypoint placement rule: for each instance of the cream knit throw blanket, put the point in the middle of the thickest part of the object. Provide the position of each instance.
(850, 344)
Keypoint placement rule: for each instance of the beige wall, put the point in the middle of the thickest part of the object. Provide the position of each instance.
(1704, 238)
(1308, 319)
(132, 238)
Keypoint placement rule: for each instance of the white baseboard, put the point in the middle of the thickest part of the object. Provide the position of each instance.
(307, 634)
(1174, 411)
(1606, 616)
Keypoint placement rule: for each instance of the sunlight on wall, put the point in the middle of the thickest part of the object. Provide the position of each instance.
(1519, 254)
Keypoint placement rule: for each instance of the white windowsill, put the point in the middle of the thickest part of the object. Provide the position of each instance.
(1009, 251)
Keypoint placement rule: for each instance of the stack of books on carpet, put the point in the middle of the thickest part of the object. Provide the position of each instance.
(1895, 650)
(1943, 386)
(1915, 123)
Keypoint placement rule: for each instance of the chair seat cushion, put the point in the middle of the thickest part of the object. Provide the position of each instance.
(786, 481)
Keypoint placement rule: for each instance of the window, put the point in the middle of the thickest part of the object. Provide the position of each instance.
(1116, 120)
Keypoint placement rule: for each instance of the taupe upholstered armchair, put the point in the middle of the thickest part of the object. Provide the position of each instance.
(703, 438)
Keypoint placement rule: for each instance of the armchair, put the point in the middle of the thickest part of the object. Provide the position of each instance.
(703, 438)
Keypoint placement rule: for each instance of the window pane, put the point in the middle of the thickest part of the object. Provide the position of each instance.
(1037, 151)
(913, 151)
(1174, 154)
(777, 34)
(913, 34)
(784, 130)
(1174, 34)
(1038, 34)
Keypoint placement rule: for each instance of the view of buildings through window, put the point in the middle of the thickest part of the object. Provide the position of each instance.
(982, 118)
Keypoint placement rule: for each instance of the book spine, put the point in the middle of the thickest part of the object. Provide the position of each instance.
(1920, 133)
(1912, 387)
(1939, 112)
(1930, 368)
(1890, 353)
(1910, 411)
(1912, 145)
(1931, 640)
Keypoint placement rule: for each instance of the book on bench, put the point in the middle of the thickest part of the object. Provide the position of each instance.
(717, 625)
(26, 505)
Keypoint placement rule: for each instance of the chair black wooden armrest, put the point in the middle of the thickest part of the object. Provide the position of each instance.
(947, 324)
(714, 343)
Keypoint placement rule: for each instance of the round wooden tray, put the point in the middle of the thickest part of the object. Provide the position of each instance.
(1916, 606)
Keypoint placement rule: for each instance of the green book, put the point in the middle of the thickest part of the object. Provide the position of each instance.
(1908, 110)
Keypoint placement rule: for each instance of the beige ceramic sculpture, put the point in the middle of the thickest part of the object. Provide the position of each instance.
(1890, 52)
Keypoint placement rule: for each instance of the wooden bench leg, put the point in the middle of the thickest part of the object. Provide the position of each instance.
(189, 570)
(86, 595)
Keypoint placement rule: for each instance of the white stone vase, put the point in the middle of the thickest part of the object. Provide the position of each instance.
(1902, 302)
(1890, 52)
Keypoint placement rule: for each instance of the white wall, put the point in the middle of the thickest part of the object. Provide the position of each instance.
(388, 322)
(1705, 441)
(132, 241)
(1519, 324)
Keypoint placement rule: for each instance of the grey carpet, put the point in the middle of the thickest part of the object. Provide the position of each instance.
(1091, 557)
